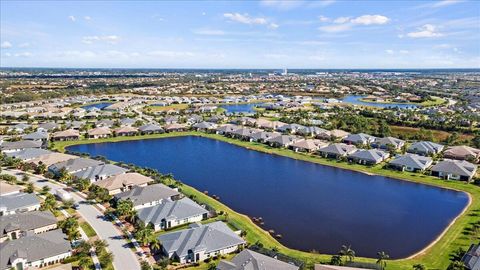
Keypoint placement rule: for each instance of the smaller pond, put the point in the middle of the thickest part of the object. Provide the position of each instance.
(354, 99)
(100, 106)
(240, 108)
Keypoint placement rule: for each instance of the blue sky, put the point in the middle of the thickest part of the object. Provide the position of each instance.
(241, 34)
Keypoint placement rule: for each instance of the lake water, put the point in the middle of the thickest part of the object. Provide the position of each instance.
(100, 106)
(356, 100)
(311, 205)
(240, 108)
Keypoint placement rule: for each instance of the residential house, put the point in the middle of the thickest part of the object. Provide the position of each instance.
(123, 182)
(38, 136)
(168, 213)
(359, 139)
(368, 157)
(311, 131)
(425, 148)
(127, 122)
(290, 128)
(205, 126)
(18, 203)
(411, 163)
(19, 128)
(251, 260)
(334, 134)
(171, 120)
(28, 154)
(99, 132)
(8, 189)
(99, 172)
(175, 127)
(244, 133)
(35, 251)
(147, 195)
(21, 224)
(227, 129)
(200, 242)
(126, 131)
(454, 169)
(462, 152)
(283, 140)
(150, 129)
(263, 136)
(471, 258)
(8, 147)
(308, 145)
(105, 123)
(74, 165)
(66, 135)
(51, 158)
(337, 150)
(388, 143)
(49, 126)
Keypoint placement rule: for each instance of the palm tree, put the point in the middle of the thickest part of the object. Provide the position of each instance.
(106, 259)
(336, 260)
(382, 259)
(143, 234)
(348, 252)
(100, 246)
(29, 188)
(456, 265)
(70, 227)
(85, 262)
(155, 244)
(49, 203)
(41, 169)
(418, 267)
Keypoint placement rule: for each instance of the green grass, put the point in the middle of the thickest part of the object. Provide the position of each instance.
(436, 257)
(89, 231)
(428, 103)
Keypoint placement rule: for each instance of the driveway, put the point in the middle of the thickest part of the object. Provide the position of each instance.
(124, 257)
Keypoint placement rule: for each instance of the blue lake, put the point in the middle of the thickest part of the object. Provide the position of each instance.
(240, 108)
(311, 205)
(100, 106)
(356, 100)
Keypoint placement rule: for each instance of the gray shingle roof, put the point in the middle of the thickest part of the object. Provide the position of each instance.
(150, 127)
(208, 237)
(141, 195)
(26, 221)
(360, 138)
(34, 247)
(471, 259)
(76, 164)
(171, 210)
(37, 135)
(29, 153)
(457, 167)
(338, 149)
(20, 145)
(17, 201)
(412, 161)
(425, 147)
(102, 171)
(373, 155)
(250, 260)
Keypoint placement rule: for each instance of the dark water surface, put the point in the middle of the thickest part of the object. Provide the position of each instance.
(356, 100)
(311, 205)
(240, 108)
(100, 106)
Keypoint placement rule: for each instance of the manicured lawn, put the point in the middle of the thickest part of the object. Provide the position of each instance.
(166, 108)
(436, 257)
(89, 231)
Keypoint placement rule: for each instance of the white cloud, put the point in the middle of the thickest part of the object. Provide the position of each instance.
(273, 25)
(87, 18)
(342, 20)
(244, 18)
(291, 4)
(446, 3)
(23, 54)
(112, 39)
(209, 32)
(72, 18)
(370, 19)
(8, 54)
(334, 28)
(404, 51)
(426, 31)
(6, 45)
(397, 52)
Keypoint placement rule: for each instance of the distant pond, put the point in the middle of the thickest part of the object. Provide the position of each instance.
(314, 207)
(353, 99)
(240, 108)
(100, 106)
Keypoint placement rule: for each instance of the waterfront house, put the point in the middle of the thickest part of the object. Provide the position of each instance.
(8, 147)
(105, 123)
(411, 163)
(123, 182)
(283, 140)
(126, 131)
(171, 120)
(150, 129)
(99, 172)
(251, 260)
(66, 135)
(205, 126)
(200, 242)
(462, 152)
(168, 213)
(35, 251)
(18, 203)
(175, 127)
(359, 139)
(471, 258)
(74, 165)
(226, 129)
(311, 131)
(244, 133)
(425, 148)
(454, 169)
(28, 154)
(263, 136)
(334, 134)
(388, 143)
(290, 128)
(308, 145)
(19, 225)
(147, 195)
(51, 158)
(337, 150)
(8, 189)
(99, 132)
(368, 157)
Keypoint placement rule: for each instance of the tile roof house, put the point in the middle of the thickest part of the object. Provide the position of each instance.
(290, 128)
(359, 139)
(462, 152)
(18, 203)
(19, 145)
(74, 165)
(454, 169)
(251, 260)
(205, 126)
(387, 142)
(471, 259)
(37, 250)
(311, 131)
(126, 131)
(244, 133)
(175, 127)
(263, 136)
(49, 126)
(99, 172)
(308, 145)
(123, 182)
(8, 189)
(36, 136)
(337, 150)
(333, 134)
(145, 196)
(368, 157)
(170, 213)
(200, 241)
(52, 158)
(283, 140)
(127, 121)
(19, 225)
(66, 135)
(411, 163)
(99, 132)
(425, 148)
(226, 129)
(28, 154)
(150, 129)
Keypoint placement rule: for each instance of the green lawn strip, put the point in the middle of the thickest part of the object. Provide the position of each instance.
(436, 257)
(428, 103)
(89, 231)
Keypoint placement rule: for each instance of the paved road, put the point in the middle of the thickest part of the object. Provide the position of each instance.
(124, 257)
